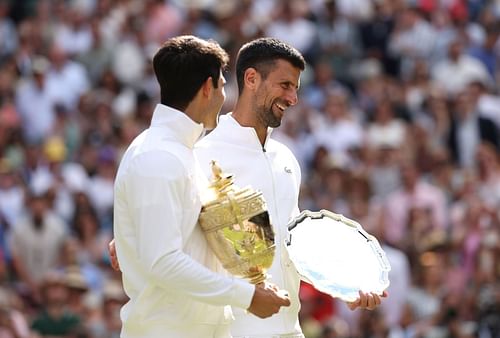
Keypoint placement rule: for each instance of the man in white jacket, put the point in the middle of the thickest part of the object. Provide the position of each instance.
(169, 273)
(268, 76)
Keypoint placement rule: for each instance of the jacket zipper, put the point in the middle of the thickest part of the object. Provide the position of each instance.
(278, 239)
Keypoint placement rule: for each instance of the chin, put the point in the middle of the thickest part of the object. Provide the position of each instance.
(275, 124)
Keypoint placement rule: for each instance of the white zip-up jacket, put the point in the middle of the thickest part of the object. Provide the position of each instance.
(274, 170)
(167, 266)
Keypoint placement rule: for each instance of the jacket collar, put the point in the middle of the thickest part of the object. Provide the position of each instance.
(179, 125)
(245, 136)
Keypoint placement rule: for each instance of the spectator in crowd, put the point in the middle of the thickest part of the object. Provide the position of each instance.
(486, 52)
(13, 322)
(74, 34)
(468, 130)
(338, 39)
(324, 81)
(487, 102)
(460, 66)
(339, 130)
(412, 37)
(36, 241)
(291, 25)
(97, 59)
(12, 194)
(414, 195)
(35, 103)
(8, 31)
(67, 80)
(376, 33)
(56, 319)
(488, 171)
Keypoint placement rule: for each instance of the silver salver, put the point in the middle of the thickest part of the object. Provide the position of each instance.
(336, 255)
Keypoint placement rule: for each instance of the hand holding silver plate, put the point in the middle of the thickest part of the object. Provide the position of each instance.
(336, 255)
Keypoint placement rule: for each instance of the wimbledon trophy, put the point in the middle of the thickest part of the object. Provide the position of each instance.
(236, 224)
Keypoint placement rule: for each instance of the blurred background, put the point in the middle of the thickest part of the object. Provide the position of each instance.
(397, 127)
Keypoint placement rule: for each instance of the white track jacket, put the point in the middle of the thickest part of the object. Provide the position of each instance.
(167, 266)
(274, 170)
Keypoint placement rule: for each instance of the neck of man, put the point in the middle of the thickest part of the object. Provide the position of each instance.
(246, 117)
(194, 111)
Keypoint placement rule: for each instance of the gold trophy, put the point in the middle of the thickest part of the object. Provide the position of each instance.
(237, 226)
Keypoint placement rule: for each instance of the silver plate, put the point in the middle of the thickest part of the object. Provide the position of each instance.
(336, 255)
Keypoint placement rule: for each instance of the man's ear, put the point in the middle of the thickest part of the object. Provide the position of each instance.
(207, 87)
(251, 78)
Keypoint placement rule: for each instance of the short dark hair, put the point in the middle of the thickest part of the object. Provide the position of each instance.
(183, 64)
(261, 55)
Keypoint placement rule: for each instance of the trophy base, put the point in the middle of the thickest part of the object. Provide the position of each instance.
(258, 278)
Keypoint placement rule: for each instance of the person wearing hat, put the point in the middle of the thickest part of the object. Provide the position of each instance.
(55, 319)
(77, 289)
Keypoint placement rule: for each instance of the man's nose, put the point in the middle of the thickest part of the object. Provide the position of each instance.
(292, 97)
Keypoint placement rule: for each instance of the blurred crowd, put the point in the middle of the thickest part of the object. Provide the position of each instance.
(397, 127)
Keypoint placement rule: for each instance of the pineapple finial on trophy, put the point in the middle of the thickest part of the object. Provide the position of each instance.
(222, 183)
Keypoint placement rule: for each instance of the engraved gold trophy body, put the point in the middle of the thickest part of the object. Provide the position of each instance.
(237, 226)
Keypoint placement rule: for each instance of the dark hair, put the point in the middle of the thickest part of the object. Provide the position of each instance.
(261, 55)
(183, 64)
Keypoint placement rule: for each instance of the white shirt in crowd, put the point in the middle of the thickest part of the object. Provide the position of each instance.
(38, 249)
(465, 70)
(36, 108)
(68, 83)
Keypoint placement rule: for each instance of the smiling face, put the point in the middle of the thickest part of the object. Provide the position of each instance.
(276, 93)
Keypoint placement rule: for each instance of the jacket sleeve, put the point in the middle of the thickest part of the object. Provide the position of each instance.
(157, 194)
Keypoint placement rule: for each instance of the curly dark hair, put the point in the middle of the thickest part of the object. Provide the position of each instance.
(183, 64)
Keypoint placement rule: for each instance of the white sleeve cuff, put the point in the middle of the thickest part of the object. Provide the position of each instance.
(243, 293)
